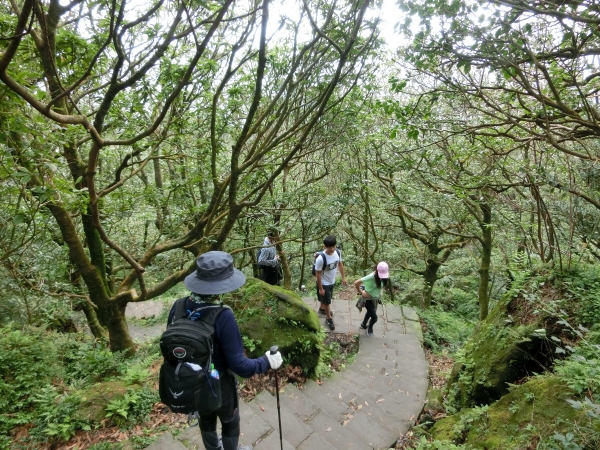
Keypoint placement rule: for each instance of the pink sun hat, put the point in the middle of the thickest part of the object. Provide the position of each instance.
(383, 270)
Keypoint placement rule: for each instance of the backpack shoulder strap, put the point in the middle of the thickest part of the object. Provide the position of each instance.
(211, 313)
(324, 260)
(337, 250)
(179, 309)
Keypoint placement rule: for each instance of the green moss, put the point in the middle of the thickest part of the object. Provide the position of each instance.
(269, 315)
(434, 403)
(530, 413)
(502, 350)
(96, 398)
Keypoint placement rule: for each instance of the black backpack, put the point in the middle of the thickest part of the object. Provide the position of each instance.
(186, 382)
(322, 254)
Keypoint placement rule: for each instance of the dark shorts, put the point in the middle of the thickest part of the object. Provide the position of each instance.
(326, 299)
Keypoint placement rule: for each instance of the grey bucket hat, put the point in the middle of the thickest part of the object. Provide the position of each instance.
(214, 275)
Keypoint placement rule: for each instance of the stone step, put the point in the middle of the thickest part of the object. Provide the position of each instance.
(253, 430)
(327, 431)
(385, 410)
(342, 405)
(293, 427)
(166, 441)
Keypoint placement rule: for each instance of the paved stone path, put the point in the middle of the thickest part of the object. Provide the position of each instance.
(144, 310)
(366, 406)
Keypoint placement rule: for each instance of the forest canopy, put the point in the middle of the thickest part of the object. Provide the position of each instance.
(137, 136)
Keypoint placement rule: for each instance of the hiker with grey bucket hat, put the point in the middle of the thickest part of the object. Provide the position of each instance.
(215, 275)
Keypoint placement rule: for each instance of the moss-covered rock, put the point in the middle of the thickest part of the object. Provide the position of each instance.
(269, 315)
(95, 399)
(530, 413)
(434, 404)
(503, 349)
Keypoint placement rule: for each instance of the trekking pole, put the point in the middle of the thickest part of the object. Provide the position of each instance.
(273, 351)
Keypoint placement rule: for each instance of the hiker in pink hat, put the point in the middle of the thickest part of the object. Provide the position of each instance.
(369, 288)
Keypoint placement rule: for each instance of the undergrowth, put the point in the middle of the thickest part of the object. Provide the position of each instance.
(336, 350)
(47, 379)
(445, 330)
(567, 307)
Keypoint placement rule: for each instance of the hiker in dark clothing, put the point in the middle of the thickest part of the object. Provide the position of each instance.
(215, 275)
(268, 261)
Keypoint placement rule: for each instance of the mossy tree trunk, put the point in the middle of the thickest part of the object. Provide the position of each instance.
(486, 257)
(480, 208)
(430, 276)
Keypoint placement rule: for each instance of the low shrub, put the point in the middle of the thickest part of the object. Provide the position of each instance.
(445, 329)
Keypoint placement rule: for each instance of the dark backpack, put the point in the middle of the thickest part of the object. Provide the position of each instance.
(186, 382)
(322, 254)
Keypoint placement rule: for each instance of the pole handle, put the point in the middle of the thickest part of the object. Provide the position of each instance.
(274, 349)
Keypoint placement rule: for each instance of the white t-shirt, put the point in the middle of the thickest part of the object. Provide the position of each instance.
(328, 275)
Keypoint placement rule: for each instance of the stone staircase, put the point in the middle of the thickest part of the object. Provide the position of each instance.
(366, 406)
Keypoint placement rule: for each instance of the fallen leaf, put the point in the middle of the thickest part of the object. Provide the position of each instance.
(359, 406)
(366, 403)
(328, 429)
(340, 396)
(262, 408)
(380, 400)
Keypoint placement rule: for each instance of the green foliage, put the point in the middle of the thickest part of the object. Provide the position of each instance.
(90, 361)
(331, 357)
(445, 329)
(249, 343)
(141, 442)
(583, 283)
(27, 363)
(133, 407)
(106, 446)
(49, 379)
(580, 374)
(440, 445)
(55, 415)
(564, 442)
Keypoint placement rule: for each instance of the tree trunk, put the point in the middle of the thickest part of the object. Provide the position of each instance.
(429, 279)
(365, 253)
(486, 256)
(303, 250)
(92, 319)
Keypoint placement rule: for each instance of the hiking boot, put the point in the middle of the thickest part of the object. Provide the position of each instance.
(363, 326)
(322, 311)
(370, 333)
(330, 324)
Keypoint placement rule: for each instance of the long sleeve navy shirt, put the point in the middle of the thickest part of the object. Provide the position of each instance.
(228, 350)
